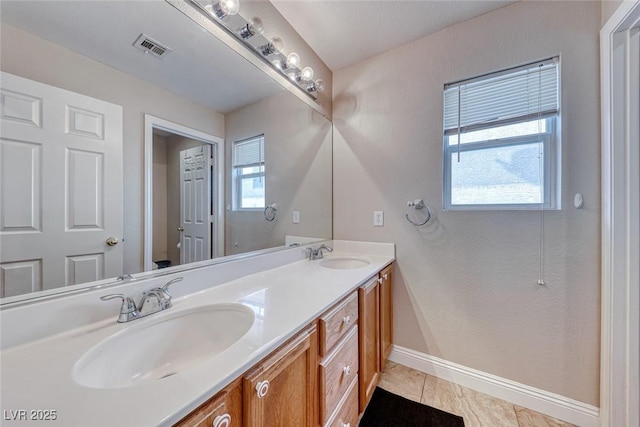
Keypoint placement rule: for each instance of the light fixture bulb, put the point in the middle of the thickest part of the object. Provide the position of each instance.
(307, 74)
(293, 60)
(278, 44)
(252, 28)
(317, 86)
(224, 8)
(275, 45)
(256, 24)
(278, 64)
(231, 7)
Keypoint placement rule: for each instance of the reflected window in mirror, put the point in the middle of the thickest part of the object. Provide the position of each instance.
(249, 174)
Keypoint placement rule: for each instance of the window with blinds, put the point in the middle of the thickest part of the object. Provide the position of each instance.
(249, 174)
(501, 144)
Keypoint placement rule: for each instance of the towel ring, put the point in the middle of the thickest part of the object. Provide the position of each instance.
(418, 204)
(270, 212)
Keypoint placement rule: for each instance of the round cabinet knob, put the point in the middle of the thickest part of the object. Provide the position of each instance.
(112, 241)
(386, 276)
(346, 424)
(223, 420)
(380, 280)
(262, 388)
(346, 320)
(347, 370)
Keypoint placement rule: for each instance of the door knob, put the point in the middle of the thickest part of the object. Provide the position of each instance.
(112, 241)
(181, 229)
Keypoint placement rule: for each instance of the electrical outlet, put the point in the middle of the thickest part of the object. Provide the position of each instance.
(378, 218)
(296, 217)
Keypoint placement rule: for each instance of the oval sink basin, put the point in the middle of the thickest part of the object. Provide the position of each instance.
(344, 263)
(155, 350)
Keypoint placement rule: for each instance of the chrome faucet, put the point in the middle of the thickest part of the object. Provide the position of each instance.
(317, 253)
(153, 301)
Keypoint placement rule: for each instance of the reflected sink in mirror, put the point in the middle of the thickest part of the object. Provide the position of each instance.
(344, 263)
(164, 347)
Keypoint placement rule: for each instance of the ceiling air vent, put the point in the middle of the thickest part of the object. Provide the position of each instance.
(151, 46)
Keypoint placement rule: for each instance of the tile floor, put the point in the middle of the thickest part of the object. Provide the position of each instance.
(477, 409)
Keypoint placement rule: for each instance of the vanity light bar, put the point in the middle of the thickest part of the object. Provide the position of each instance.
(269, 50)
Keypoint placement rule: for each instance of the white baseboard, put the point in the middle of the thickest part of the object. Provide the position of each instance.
(554, 405)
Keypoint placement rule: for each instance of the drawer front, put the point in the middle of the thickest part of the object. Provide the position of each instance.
(337, 372)
(347, 414)
(336, 322)
(222, 410)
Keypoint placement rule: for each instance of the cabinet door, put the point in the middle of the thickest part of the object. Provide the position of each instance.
(222, 410)
(369, 340)
(282, 390)
(386, 314)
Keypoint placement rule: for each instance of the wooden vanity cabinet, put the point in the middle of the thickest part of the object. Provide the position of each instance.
(376, 330)
(385, 280)
(282, 389)
(222, 410)
(369, 339)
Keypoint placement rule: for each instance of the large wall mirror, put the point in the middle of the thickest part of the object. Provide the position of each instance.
(217, 158)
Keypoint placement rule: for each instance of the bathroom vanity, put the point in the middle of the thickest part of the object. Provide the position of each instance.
(317, 336)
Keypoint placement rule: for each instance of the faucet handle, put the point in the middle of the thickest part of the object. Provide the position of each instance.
(128, 310)
(165, 288)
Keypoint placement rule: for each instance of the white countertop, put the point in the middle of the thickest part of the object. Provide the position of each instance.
(38, 375)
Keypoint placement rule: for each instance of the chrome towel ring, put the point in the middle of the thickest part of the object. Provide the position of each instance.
(418, 204)
(270, 212)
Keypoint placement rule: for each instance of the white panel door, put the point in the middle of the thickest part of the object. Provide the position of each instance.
(60, 187)
(195, 191)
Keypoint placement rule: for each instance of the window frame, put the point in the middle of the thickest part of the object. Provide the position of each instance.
(551, 150)
(238, 177)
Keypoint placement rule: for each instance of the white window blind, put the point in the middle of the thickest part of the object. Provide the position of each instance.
(249, 152)
(518, 94)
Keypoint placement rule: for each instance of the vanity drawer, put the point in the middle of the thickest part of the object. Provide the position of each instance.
(336, 322)
(347, 413)
(222, 410)
(337, 372)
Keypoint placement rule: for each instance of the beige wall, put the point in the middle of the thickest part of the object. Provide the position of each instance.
(159, 251)
(298, 173)
(34, 58)
(466, 284)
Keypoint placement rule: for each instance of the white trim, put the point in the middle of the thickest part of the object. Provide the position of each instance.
(150, 123)
(542, 401)
(620, 327)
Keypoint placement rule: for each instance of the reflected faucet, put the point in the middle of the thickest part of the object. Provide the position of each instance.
(153, 301)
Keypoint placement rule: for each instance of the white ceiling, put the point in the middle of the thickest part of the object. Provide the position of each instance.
(344, 32)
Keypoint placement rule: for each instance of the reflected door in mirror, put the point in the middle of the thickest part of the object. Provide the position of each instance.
(195, 188)
(60, 188)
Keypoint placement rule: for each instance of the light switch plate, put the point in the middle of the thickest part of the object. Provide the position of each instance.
(296, 217)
